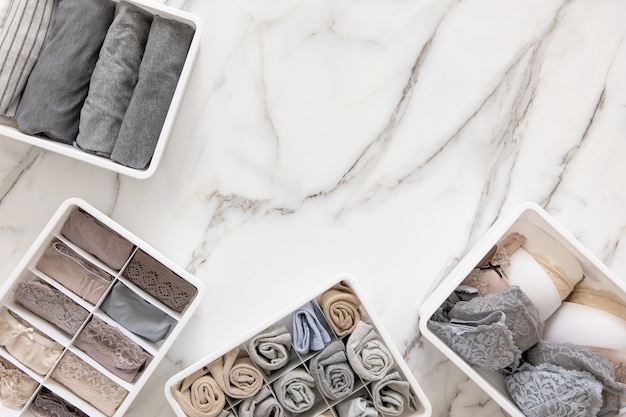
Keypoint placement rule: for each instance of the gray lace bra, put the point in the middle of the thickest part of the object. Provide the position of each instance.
(492, 331)
(46, 404)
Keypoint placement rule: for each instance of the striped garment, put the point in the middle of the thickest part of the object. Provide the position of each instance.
(4, 9)
(22, 36)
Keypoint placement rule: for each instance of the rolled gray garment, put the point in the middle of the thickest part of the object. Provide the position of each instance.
(357, 407)
(113, 80)
(262, 404)
(23, 24)
(270, 348)
(332, 374)
(367, 354)
(58, 84)
(294, 391)
(163, 61)
(391, 393)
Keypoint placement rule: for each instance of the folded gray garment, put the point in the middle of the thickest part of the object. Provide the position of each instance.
(24, 26)
(309, 335)
(270, 348)
(113, 80)
(59, 81)
(367, 354)
(332, 374)
(356, 407)
(163, 61)
(391, 393)
(262, 404)
(294, 391)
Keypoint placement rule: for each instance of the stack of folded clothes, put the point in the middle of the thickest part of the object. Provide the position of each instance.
(93, 73)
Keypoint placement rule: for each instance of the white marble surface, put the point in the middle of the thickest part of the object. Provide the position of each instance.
(375, 137)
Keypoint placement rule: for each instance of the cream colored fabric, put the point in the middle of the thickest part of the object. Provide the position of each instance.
(341, 308)
(236, 375)
(199, 395)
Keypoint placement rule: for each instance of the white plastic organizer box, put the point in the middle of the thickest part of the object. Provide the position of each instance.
(327, 355)
(10, 126)
(566, 301)
(87, 315)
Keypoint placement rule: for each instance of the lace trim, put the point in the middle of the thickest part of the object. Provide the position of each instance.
(92, 270)
(51, 305)
(46, 404)
(24, 328)
(111, 342)
(15, 386)
(476, 278)
(89, 384)
(558, 276)
(598, 298)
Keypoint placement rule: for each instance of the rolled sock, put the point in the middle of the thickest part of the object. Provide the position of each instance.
(356, 407)
(332, 374)
(367, 354)
(391, 393)
(263, 404)
(236, 375)
(199, 396)
(308, 332)
(114, 78)
(166, 50)
(341, 308)
(270, 348)
(294, 391)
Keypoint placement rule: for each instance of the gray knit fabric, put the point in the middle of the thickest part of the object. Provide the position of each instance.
(59, 82)
(367, 353)
(24, 26)
(294, 390)
(114, 78)
(392, 393)
(332, 374)
(163, 60)
(262, 404)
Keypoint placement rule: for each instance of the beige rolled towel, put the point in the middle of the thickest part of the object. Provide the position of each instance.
(199, 395)
(341, 308)
(236, 375)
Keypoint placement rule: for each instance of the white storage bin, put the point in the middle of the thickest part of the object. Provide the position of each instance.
(8, 127)
(528, 216)
(154, 297)
(321, 404)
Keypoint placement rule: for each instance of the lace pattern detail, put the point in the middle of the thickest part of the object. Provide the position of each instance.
(557, 275)
(584, 293)
(51, 305)
(15, 386)
(111, 342)
(476, 278)
(46, 404)
(620, 373)
(89, 384)
(159, 281)
(549, 390)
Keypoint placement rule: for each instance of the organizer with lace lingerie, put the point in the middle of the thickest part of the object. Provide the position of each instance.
(325, 356)
(87, 316)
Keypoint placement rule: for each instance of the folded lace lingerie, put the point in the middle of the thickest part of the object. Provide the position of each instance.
(341, 308)
(67, 267)
(294, 391)
(89, 384)
(51, 305)
(112, 349)
(16, 387)
(236, 374)
(270, 348)
(262, 404)
(309, 334)
(367, 354)
(391, 393)
(89, 234)
(159, 281)
(490, 332)
(136, 314)
(27, 344)
(47, 404)
(199, 395)
(333, 375)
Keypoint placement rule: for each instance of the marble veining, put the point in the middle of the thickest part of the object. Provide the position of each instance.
(380, 138)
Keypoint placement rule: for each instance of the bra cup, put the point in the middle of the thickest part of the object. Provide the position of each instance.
(531, 277)
(585, 326)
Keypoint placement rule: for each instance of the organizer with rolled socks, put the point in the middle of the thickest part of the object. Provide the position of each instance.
(326, 355)
(573, 302)
(86, 317)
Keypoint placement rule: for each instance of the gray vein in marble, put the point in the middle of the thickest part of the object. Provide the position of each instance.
(11, 180)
